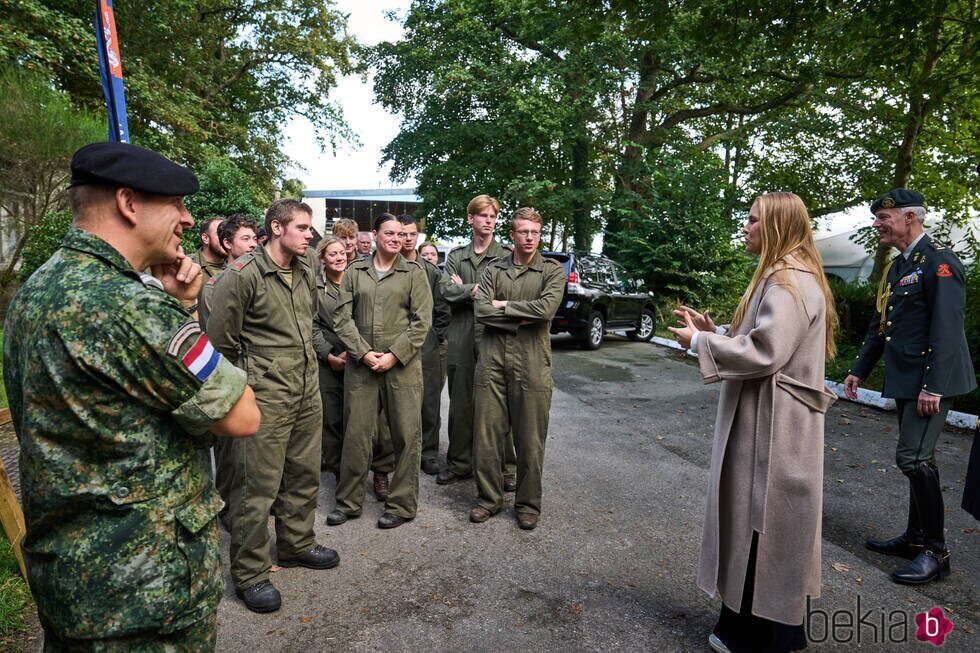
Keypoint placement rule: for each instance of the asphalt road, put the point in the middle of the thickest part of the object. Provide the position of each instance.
(613, 562)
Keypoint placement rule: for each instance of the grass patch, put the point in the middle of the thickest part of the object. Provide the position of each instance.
(15, 596)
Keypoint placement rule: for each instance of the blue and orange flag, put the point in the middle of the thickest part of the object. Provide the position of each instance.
(110, 70)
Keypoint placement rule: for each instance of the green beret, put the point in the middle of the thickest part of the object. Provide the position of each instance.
(122, 165)
(898, 197)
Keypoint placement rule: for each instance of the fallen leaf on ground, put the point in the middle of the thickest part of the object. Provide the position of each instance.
(841, 567)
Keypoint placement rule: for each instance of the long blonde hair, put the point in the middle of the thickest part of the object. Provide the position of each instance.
(784, 226)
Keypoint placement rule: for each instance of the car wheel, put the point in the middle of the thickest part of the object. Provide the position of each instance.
(592, 337)
(648, 324)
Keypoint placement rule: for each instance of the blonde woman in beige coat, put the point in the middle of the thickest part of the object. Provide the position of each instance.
(760, 548)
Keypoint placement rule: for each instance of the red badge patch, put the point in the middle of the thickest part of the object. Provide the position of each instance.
(238, 265)
(943, 270)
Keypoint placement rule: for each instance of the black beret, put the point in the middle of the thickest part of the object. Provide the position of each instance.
(130, 166)
(898, 197)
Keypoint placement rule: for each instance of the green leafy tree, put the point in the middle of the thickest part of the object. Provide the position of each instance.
(46, 237)
(225, 189)
(203, 79)
(39, 132)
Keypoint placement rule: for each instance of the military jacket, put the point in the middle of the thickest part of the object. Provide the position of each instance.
(112, 387)
(921, 336)
(517, 338)
(325, 339)
(208, 269)
(463, 331)
(441, 314)
(390, 314)
(265, 326)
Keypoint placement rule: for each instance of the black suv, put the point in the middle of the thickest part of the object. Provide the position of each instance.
(598, 298)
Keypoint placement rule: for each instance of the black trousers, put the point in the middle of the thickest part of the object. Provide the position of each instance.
(744, 632)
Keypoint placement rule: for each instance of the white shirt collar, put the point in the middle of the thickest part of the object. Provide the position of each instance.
(908, 250)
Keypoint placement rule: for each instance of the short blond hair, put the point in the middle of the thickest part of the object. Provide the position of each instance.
(481, 202)
(344, 227)
(526, 213)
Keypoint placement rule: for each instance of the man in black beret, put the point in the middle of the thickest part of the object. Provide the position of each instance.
(114, 391)
(918, 327)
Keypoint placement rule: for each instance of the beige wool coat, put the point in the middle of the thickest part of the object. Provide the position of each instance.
(767, 457)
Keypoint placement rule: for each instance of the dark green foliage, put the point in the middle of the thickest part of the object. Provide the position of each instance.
(225, 189)
(680, 240)
(45, 238)
(202, 78)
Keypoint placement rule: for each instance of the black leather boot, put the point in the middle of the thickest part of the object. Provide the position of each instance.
(933, 562)
(910, 543)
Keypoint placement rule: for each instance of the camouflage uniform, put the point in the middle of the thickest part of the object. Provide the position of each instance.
(112, 389)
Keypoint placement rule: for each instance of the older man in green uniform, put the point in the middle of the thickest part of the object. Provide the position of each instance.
(517, 299)
(262, 318)
(464, 269)
(432, 376)
(113, 391)
(919, 328)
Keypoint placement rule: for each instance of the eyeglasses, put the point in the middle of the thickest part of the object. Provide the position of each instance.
(526, 234)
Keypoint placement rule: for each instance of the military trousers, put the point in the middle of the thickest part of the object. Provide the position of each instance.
(460, 454)
(332, 397)
(508, 407)
(277, 473)
(197, 638)
(433, 378)
(394, 397)
(918, 435)
(224, 470)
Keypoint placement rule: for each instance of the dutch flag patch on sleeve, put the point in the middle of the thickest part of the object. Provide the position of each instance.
(201, 358)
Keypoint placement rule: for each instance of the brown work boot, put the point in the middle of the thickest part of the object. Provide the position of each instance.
(479, 514)
(380, 486)
(448, 477)
(527, 521)
(510, 484)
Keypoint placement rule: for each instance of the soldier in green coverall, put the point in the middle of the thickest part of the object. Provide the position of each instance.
(518, 297)
(210, 255)
(464, 269)
(432, 376)
(113, 391)
(383, 315)
(262, 318)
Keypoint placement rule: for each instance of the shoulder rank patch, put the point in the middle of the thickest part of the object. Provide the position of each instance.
(943, 270)
(201, 358)
(186, 330)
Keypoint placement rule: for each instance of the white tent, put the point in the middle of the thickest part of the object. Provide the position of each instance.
(849, 261)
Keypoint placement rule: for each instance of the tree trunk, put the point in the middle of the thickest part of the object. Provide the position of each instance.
(581, 206)
(923, 96)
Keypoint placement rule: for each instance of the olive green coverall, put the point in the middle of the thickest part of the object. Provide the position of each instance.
(326, 341)
(391, 314)
(266, 327)
(461, 358)
(513, 375)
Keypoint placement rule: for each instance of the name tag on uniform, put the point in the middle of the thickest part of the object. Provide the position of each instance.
(910, 279)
